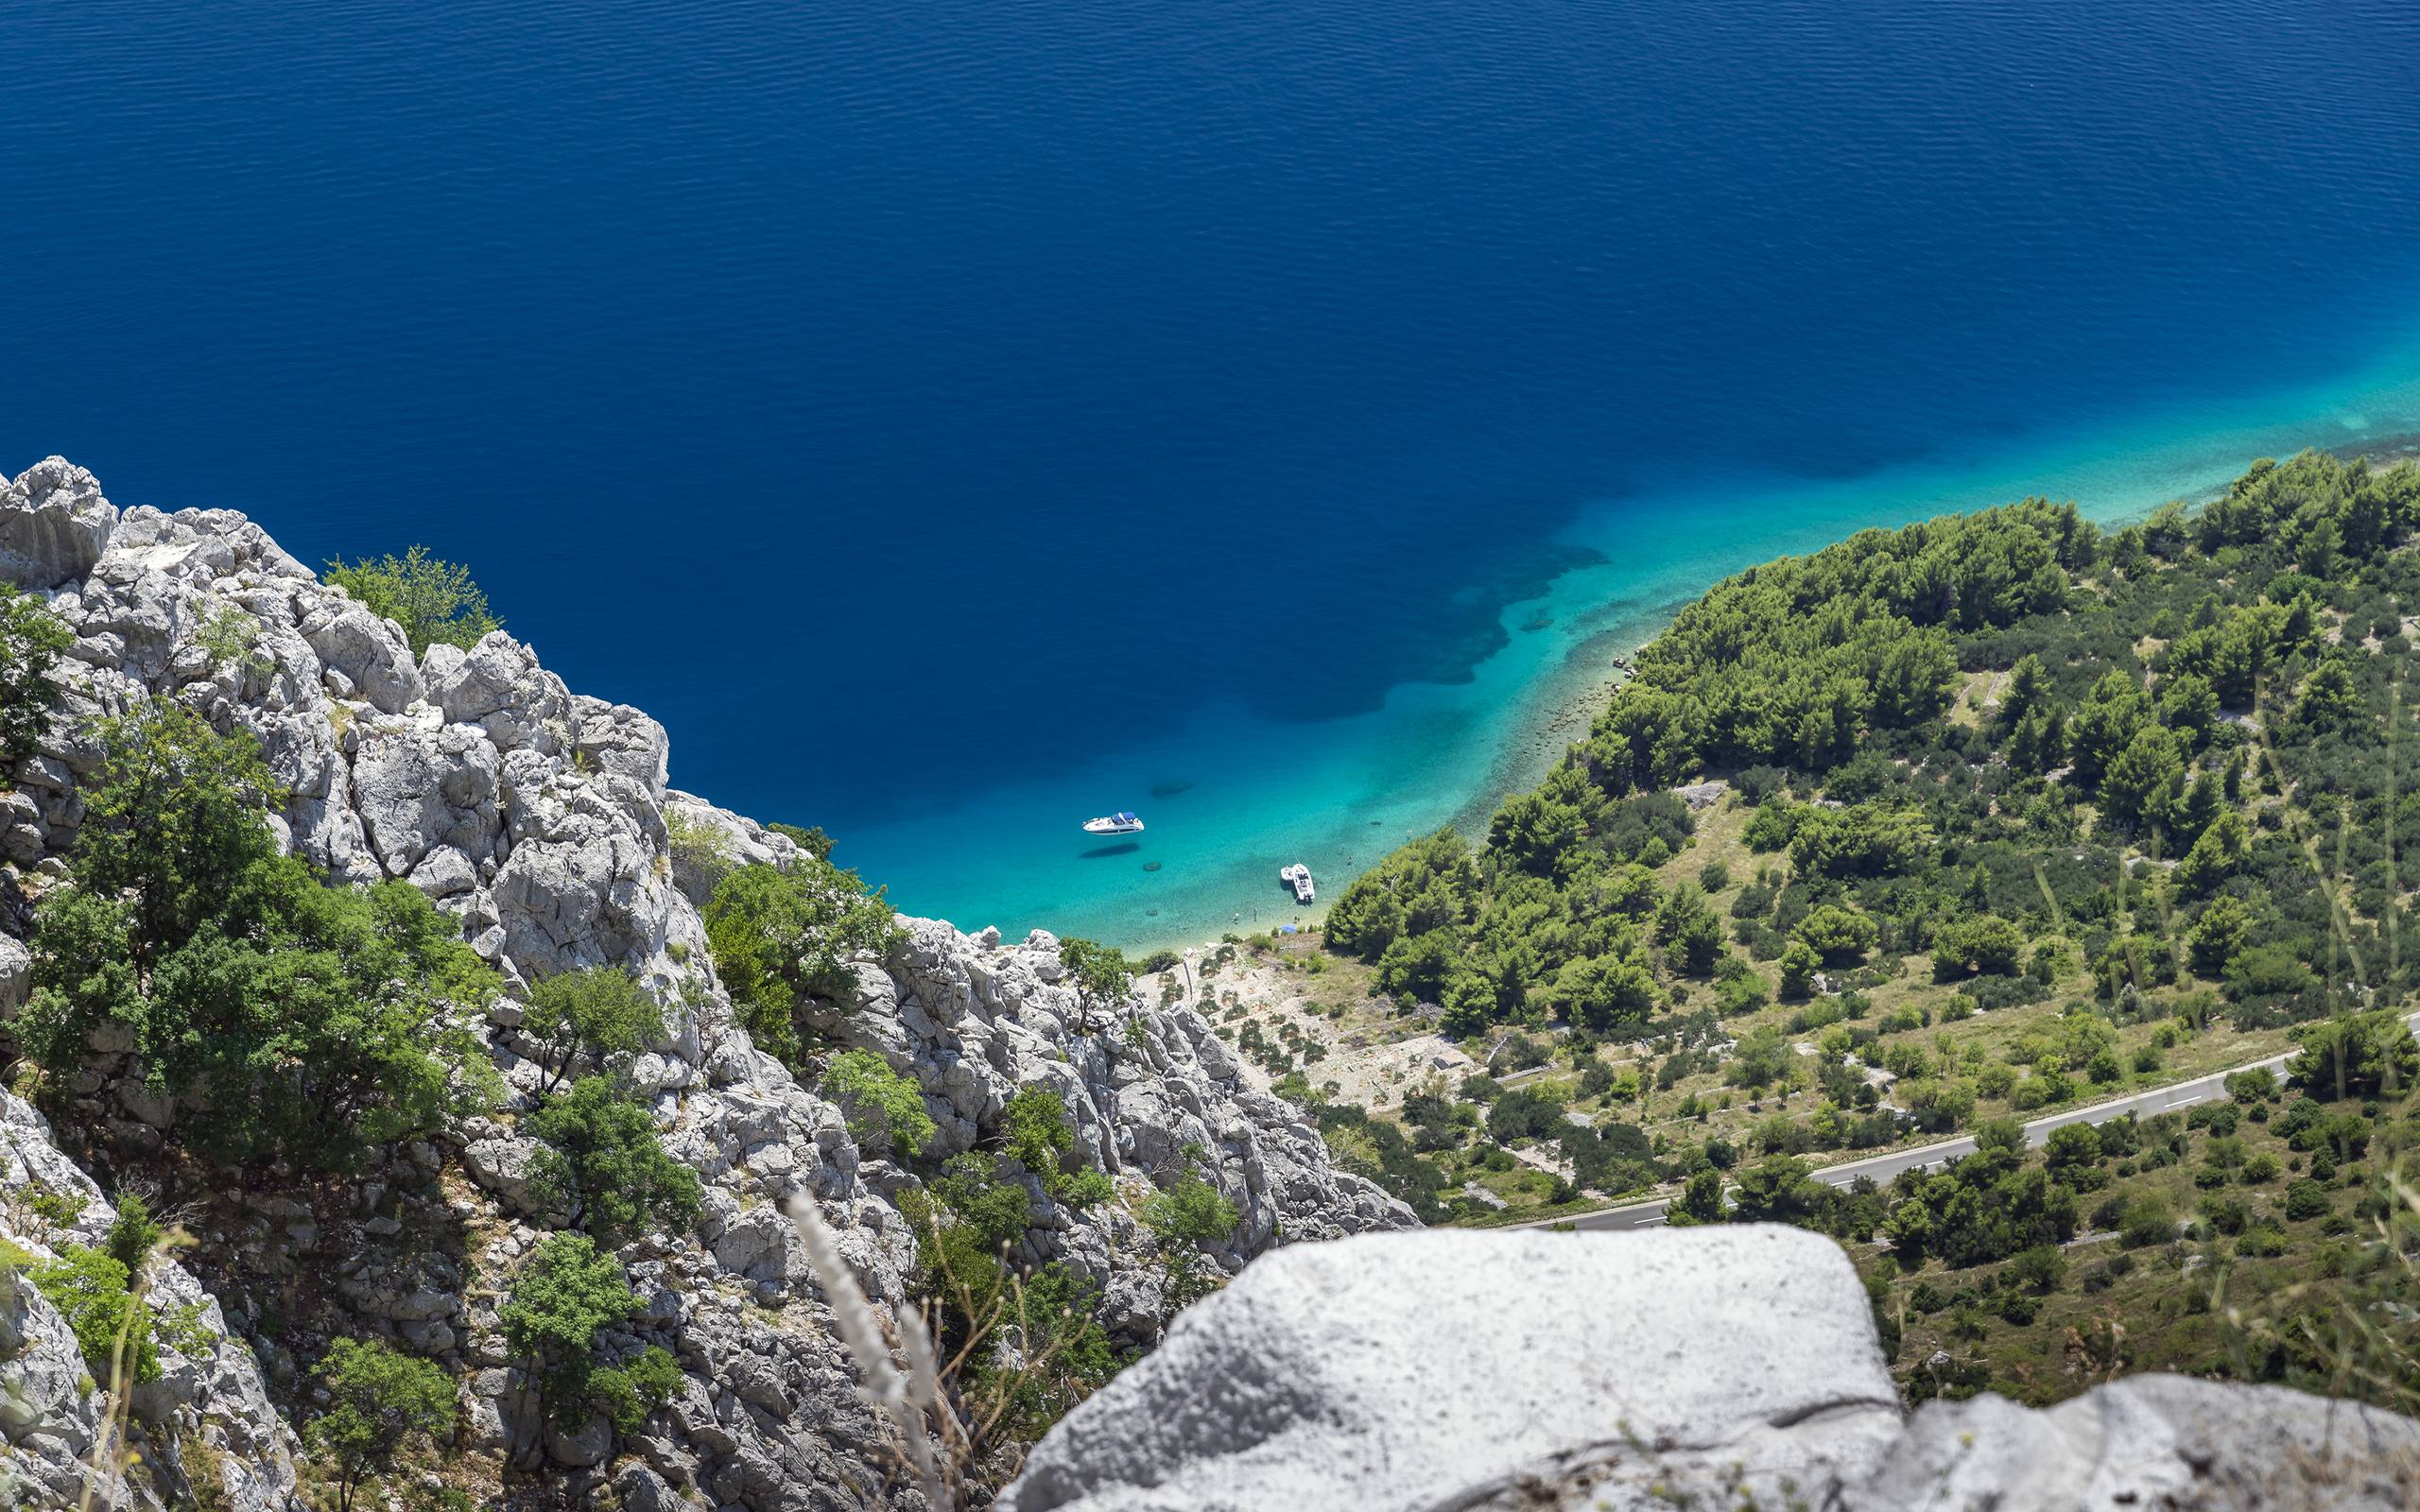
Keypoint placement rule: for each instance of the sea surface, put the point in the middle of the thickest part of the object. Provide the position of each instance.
(956, 419)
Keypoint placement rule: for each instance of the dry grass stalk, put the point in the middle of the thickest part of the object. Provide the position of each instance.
(910, 1397)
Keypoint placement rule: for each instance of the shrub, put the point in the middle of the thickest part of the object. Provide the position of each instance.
(884, 1108)
(1185, 1215)
(32, 639)
(1841, 935)
(133, 1234)
(781, 939)
(2148, 1222)
(601, 1158)
(378, 1399)
(435, 602)
(2357, 1056)
(90, 1290)
(1100, 971)
(597, 1013)
(567, 1294)
(322, 1019)
(1043, 1140)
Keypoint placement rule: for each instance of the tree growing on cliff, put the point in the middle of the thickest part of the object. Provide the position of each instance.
(1099, 972)
(597, 1014)
(567, 1293)
(884, 1108)
(435, 602)
(31, 638)
(379, 1400)
(601, 1158)
(322, 1019)
(782, 938)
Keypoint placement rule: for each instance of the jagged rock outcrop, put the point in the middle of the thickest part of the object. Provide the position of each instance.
(206, 1432)
(1729, 1366)
(541, 819)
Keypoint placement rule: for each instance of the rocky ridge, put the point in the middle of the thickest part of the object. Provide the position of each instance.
(543, 821)
(1729, 1368)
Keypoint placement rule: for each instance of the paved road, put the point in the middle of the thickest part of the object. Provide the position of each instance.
(1883, 1167)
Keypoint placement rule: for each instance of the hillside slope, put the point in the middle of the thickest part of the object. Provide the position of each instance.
(540, 820)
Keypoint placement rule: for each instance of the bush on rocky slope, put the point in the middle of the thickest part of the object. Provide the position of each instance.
(539, 828)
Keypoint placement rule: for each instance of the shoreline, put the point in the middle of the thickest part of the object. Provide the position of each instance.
(1564, 704)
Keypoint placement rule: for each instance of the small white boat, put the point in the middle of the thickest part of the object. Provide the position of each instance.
(1298, 877)
(1118, 823)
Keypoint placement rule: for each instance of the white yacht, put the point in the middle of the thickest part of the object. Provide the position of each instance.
(1298, 877)
(1118, 823)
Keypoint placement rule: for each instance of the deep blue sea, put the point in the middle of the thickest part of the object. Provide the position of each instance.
(961, 417)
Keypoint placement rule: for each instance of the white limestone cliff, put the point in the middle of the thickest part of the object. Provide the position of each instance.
(539, 818)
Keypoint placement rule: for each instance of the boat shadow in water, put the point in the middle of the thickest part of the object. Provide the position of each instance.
(1098, 851)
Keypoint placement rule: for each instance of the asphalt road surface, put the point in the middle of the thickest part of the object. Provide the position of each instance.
(1883, 1167)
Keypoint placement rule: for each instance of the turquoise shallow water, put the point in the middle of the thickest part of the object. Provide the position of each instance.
(1229, 798)
(958, 418)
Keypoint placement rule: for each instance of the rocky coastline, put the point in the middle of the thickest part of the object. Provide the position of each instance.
(543, 822)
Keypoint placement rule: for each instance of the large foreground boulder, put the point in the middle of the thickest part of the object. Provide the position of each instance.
(1712, 1367)
(1439, 1370)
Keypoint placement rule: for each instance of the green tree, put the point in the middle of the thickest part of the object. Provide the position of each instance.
(174, 814)
(2151, 762)
(1688, 928)
(1041, 1137)
(1700, 1199)
(597, 1014)
(600, 1159)
(2223, 849)
(378, 1401)
(1841, 935)
(1603, 993)
(2218, 932)
(1985, 943)
(2190, 705)
(1183, 1216)
(92, 1294)
(2358, 1054)
(133, 1234)
(1781, 1188)
(783, 939)
(2329, 699)
(1799, 964)
(884, 1108)
(322, 1020)
(1099, 972)
(435, 602)
(567, 1294)
(32, 639)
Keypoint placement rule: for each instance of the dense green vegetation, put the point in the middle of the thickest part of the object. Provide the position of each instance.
(2016, 816)
(378, 1401)
(323, 1021)
(434, 601)
(886, 1112)
(567, 1293)
(32, 639)
(782, 940)
(970, 1216)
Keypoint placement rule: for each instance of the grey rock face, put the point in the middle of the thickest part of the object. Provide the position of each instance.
(210, 1391)
(1634, 1372)
(543, 821)
(16, 975)
(54, 524)
(1431, 1370)
(2153, 1441)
